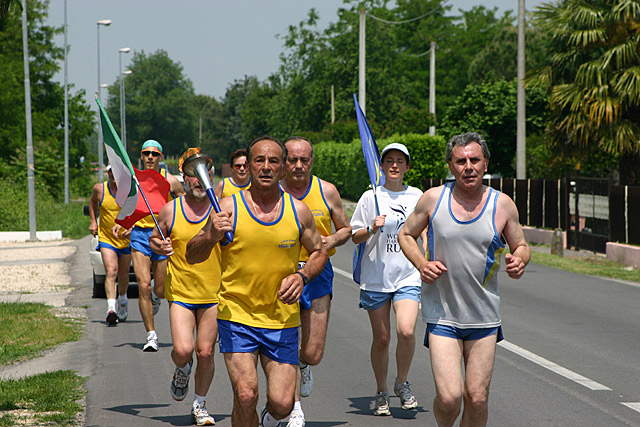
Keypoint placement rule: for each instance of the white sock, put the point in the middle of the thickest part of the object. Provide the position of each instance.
(152, 334)
(111, 304)
(200, 400)
(269, 421)
(297, 408)
(122, 299)
(185, 370)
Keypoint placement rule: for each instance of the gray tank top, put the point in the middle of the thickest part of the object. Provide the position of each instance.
(465, 296)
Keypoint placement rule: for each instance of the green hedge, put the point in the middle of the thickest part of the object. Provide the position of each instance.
(50, 214)
(343, 164)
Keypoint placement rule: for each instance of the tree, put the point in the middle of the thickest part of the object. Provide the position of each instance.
(160, 104)
(593, 78)
(47, 100)
(490, 109)
(498, 59)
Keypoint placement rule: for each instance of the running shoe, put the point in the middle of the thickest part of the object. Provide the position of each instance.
(382, 404)
(264, 414)
(403, 391)
(296, 419)
(200, 416)
(155, 301)
(112, 318)
(123, 310)
(180, 384)
(152, 342)
(306, 381)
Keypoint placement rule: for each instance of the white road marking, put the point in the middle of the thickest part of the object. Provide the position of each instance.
(343, 273)
(633, 405)
(573, 376)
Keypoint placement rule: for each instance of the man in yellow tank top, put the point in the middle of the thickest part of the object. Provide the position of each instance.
(192, 293)
(258, 312)
(144, 259)
(240, 179)
(115, 251)
(325, 204)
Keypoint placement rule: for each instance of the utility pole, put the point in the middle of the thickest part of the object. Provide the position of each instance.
(27, 106)
(432, 86)
(66, 111)
(333, 107)
(521, 138)
(362, 64)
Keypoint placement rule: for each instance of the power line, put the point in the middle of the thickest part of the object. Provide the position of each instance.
(412, 19)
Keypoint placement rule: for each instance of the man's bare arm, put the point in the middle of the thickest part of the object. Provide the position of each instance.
(163, 247)
(417, 222)
(176, 187)
(218, 190)
(520, 254)
(94, 201)
(338, 216)
(291, 286)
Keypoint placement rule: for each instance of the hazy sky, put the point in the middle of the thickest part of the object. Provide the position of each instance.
(216, 41)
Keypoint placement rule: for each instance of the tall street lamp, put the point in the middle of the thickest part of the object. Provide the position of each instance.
(120, 52)
(106, 23)
(124, 110)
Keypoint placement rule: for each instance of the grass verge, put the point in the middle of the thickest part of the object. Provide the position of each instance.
(591, 266)
(52, 398)
(46, 399)
(30, 328)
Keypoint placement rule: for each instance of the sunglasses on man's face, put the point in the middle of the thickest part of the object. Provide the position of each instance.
(240, 166)
(153, 153)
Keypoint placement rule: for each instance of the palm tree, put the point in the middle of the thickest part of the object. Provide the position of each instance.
(593, 75)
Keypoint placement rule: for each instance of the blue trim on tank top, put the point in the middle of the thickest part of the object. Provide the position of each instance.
(486, 203)
(275, 221)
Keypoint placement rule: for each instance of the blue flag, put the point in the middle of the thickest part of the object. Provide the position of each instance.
(369, 148)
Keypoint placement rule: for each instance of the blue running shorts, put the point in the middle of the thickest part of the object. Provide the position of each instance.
(193, 307)
(469, 334)
(120, 252)
(372, 300)
(280, 345)
(318, 287)
(140, 242)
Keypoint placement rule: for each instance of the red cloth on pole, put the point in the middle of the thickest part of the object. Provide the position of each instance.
(155, 188)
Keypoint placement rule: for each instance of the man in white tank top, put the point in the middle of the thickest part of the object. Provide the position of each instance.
(465, 223)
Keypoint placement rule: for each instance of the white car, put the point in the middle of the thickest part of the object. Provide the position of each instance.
(99, 274)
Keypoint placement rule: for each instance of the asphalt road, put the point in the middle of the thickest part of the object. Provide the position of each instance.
(570, 358)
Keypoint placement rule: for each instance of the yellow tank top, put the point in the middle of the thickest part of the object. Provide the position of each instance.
(317, 204)
(147, 221)
(191, 284)
(254, 264)
(108, 212)
(229, 188)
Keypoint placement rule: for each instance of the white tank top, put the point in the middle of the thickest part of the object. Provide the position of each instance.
(466, 295)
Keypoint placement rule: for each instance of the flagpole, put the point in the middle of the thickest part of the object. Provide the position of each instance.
(135, 178)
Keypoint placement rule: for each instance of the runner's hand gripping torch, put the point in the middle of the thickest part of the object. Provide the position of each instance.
(198, 166)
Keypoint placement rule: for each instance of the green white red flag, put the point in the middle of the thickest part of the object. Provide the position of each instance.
(154, 188)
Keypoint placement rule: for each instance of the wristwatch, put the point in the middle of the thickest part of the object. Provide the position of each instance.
(369, 230)
(305, 279)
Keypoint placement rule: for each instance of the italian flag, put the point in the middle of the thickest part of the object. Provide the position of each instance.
(129, 180)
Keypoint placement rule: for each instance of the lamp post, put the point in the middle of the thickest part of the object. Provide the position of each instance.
(66, 111)
(124, 110)
(120, 52)
(106, 23)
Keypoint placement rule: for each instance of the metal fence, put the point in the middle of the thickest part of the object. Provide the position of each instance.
(604, 212)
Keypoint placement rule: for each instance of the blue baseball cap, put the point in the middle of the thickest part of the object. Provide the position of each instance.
(152, 145)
